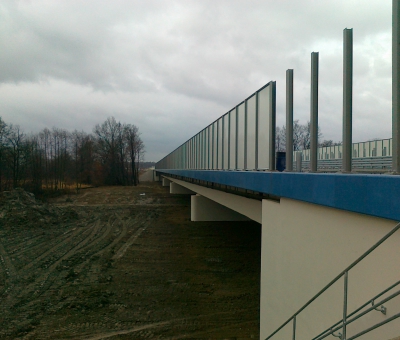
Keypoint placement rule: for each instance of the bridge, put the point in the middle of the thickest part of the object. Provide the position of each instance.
(330, 260)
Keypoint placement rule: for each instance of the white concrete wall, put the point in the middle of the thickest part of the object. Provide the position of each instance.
(175, 188)
(165, 182)
(304, 246)
(149, 176)
(204, 209)
(245, 206)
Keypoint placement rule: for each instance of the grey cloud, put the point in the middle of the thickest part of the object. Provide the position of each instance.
(172, 67)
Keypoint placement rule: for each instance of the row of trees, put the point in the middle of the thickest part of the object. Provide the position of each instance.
(301, 137)
(57, 159)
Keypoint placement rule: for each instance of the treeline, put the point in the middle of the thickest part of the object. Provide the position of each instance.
(57, 159)
(301, 137)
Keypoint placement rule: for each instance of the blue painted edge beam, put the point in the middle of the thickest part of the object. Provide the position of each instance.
(375, 195)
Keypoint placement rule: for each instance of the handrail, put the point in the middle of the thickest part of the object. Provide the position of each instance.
(371, 301)
(373, 307)
(344, 272)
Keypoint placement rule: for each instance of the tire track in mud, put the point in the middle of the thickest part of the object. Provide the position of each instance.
(40, 284)
(161, 324)
(117, 239)
(63, 243)
(65, 256)
(10, 271)
(131, 240)
(101, 236)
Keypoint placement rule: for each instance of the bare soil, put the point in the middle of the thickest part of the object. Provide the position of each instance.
(125, 263)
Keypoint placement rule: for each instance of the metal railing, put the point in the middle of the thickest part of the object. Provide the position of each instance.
(375, 148)
(369, 164)
(359, 312)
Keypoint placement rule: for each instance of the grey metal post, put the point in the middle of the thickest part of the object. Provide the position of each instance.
(396, 87)
(344, 323)
(347, 99)
(294, 329)
(272, 126)
(314, 112)
(236, 136)
(245, 135)
(256, 163)
(289, 120)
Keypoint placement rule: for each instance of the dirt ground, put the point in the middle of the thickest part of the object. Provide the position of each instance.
(125, 263)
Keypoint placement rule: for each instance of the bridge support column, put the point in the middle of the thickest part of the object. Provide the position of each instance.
(175, 188)
(204, 209)
(304, 247)
(165, 182)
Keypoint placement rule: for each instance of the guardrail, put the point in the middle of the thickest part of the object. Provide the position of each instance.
(375, 148)
(380, 164)
(359, 312)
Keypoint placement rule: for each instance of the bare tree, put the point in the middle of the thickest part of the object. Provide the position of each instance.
(301, 136)
(53, 159)
(15, 138)
(107, 135)
(134, 148)
(3, 142)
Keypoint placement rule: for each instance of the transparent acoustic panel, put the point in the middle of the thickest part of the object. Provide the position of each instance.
(240, 136)
(379, 148)
(367, 149)
(355, 150)
(194, 147)
(251, 133)
(193, 152)
(181, 157)
(225, 153)
(215, 145)
(197, 151)
(192, 157)
(210, 147)
(190, 153)
(200, 150)
(186, 156)
(220, 142)
(361, 149)
(263, 127)
(386, 147)
(232, 139)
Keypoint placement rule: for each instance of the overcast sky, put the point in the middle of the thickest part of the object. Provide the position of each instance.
(173, 67)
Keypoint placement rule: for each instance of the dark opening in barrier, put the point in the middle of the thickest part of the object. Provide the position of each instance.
(280, 161)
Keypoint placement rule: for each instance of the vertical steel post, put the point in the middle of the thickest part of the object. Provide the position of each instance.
(314, 112)
(347, 99)
(228, 156)
(245, 135)
(289, 120)
(346, 279)
(396, 86)
(236, 137)
(256, 160)
(272, 125)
